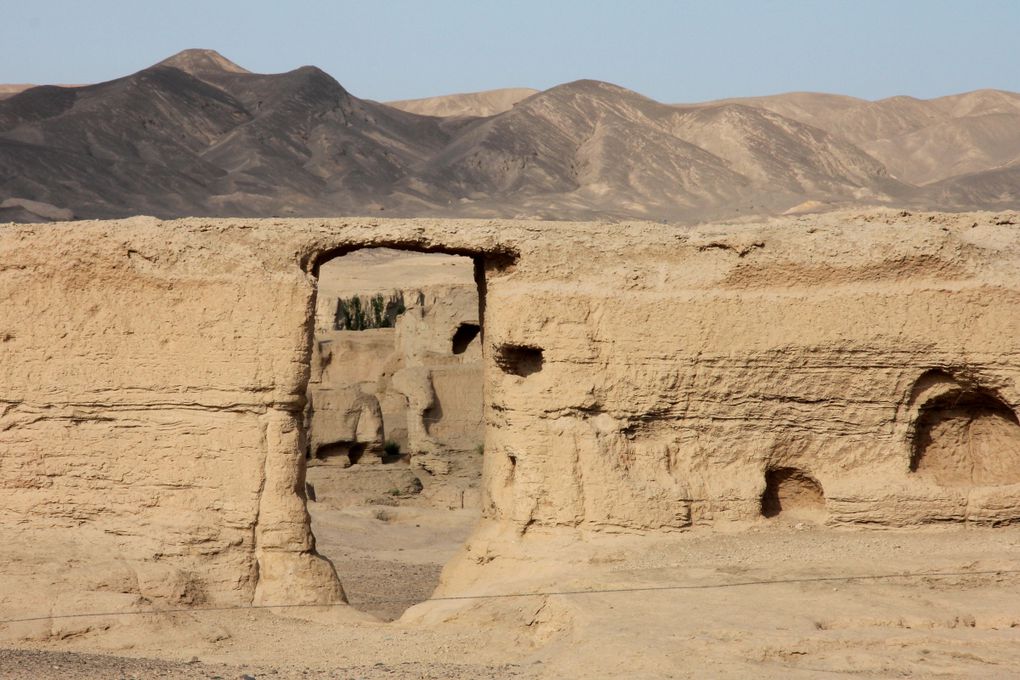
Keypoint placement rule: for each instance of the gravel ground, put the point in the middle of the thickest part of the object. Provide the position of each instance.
(386, 589)
(37, 665)
(25, 664)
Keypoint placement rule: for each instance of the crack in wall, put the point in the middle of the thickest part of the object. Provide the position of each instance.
(255, 534)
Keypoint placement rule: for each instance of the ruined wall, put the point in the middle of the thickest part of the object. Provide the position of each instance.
(677, 377)
(152, 376)
(149, 382)
(440, 343)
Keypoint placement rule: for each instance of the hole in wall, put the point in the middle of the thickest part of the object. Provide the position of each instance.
(521, 360)
(354, 452)
(347, 452)
(464, 336)
(389, 360)
(392, 454)
(967, 437)
(792, 493)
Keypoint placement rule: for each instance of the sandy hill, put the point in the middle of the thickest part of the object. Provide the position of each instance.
(197, 62)
(197, 134)
(487, 103)
(11, 89)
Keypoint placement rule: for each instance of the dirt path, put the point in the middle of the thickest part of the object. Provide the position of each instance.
(390, 555)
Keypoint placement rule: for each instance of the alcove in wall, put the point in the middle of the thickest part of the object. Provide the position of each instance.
(964, 434)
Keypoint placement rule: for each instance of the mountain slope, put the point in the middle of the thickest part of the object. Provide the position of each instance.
(583, 143)
(11, 89)
(197, 134)
(610, 148)
(782, 154)
(919, 141)
(996, 189)
(218, 139)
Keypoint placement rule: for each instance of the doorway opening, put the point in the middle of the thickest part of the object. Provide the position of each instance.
(394, 419)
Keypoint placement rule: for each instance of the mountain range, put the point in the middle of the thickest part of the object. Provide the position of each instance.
(197, 134)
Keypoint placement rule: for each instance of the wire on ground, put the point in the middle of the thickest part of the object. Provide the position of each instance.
(547, 593)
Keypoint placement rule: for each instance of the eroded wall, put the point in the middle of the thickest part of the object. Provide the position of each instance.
(637, 376)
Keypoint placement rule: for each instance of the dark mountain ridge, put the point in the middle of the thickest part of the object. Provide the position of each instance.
(197, 134)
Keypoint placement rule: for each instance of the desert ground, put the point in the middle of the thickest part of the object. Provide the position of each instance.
(767, 599)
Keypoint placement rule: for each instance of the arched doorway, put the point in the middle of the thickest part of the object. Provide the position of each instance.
(394, 432)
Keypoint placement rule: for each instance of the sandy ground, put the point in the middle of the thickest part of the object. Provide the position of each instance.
(767, 600)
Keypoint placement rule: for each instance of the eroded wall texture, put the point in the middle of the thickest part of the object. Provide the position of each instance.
(639, 376)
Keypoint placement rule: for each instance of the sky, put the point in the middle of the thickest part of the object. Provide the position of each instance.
(673, 51)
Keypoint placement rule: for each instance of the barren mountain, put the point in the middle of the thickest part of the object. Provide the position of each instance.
(919, 141)
(994, 189)
(583, 144)
(593, 147)
(487, 103)
(198, 62)
(197, 134)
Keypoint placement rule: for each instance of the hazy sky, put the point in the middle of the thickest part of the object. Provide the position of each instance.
(673, 51)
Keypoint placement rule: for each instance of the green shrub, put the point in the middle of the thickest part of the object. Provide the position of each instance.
(391, 448)
(379, 312)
